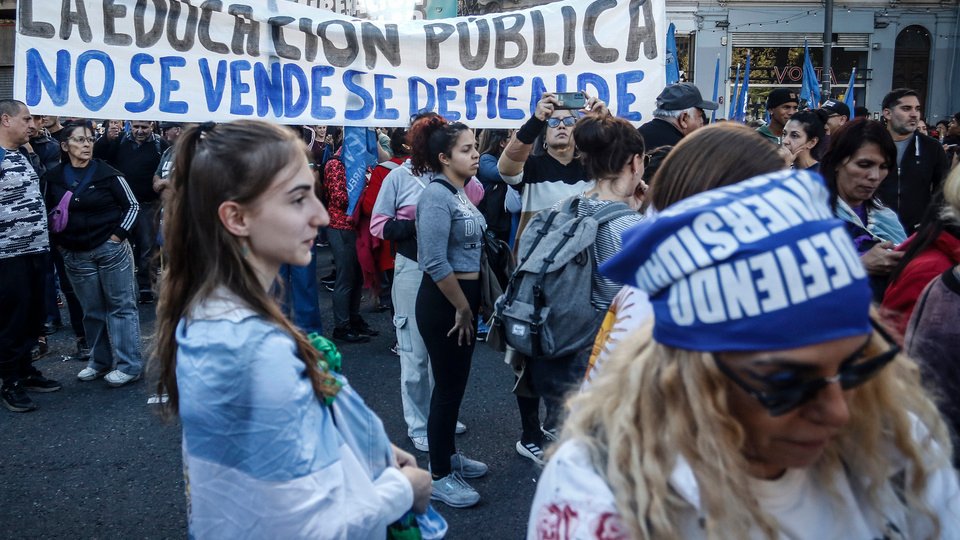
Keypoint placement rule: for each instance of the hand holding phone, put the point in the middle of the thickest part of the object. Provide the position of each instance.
(571, 100)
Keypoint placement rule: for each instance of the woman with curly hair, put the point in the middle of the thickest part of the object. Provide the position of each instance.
(764, 401)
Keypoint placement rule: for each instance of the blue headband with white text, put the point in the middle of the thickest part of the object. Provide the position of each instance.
(760, 265)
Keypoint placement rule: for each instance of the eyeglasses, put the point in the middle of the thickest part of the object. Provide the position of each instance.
(81, 140)
(568, 121)
(781, 400)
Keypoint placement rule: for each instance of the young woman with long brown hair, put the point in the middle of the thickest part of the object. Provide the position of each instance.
(274, 443)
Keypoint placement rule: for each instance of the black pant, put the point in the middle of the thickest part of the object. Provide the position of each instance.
(348, 286)
(450, 364)
(553, 379)
(144, 238)
(73, 303)
(22, 313)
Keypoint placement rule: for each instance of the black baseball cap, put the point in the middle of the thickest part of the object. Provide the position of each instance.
(169, 125)
(836, 107)
(780, 96)
(680, 96)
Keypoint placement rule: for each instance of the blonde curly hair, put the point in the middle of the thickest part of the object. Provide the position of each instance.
(654, 403)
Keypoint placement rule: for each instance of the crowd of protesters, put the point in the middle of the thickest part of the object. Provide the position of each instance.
(768, 346)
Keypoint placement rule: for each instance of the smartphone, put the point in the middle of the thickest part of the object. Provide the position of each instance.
(571, 100)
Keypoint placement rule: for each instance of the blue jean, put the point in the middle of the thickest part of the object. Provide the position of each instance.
(301, 297)
(104, 281)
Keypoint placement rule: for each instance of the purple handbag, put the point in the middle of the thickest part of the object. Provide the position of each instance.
(60, 215)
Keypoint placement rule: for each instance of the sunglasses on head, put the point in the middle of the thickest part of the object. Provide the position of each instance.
(568, 121)
(784, 397)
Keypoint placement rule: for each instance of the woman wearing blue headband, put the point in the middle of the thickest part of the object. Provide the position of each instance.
(765, 403)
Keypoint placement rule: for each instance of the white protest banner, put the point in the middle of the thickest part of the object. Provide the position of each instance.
(292, 63)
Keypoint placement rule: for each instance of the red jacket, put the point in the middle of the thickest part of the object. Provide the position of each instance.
(901, 295)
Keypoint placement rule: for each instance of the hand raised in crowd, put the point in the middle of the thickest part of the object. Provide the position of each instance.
(463, 326)
(881, 259)
(113, 131)
(595, 106)
(545, 107)
(419, 479)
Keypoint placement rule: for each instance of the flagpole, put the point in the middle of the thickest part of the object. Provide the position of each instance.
(716, 88)
(827, 45)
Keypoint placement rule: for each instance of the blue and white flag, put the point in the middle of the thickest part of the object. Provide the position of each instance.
(740, 115)
(848, 97)
(359, 153)
(673, 69)
(810, 86)
(733, 95)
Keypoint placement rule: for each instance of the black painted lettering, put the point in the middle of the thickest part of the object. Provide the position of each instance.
(244, 27)
(112, 12)
(509, 35)
(474, 62)
(190, 32)
(284, 49)
(336, 56)
(31, 28)
(437, 33)
(310, 40)
(540, 56)
(69, 18)
(203, 29)
(598, 53)
(145, 38)
(374, 40)
(569, 34)
(644, 34)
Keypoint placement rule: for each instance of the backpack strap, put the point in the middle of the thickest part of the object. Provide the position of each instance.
(389, 165)
(612, 212)
(445, 184)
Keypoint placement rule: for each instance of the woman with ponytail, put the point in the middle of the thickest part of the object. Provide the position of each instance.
(274, 442)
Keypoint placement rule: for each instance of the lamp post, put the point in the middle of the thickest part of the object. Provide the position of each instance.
(827, 47)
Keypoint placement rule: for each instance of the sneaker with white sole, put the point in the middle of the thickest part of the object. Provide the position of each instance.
(551, 435)
(531, 451)
(90, 374)
(468, 468)
(118, 378)
(453, 490)
(420, 443)
(461, 428)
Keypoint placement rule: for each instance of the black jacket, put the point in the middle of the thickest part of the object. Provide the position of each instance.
(105, 206)
(136, 163)
(659, 132)
(909, 188)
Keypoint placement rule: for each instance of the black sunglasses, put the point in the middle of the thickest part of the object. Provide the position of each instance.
(780, 401)
(568, 121)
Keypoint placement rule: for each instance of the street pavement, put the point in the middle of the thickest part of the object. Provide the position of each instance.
(98, 462)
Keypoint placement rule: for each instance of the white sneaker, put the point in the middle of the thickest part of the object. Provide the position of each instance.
(420, 443)
(89, 374)
(461, 428)
(550, 435)
(531, 451)
(118, 378)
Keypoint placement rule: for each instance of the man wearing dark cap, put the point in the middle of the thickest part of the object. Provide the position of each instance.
(834, 114)
(781, 104)
(170, 131)
(679, 113)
